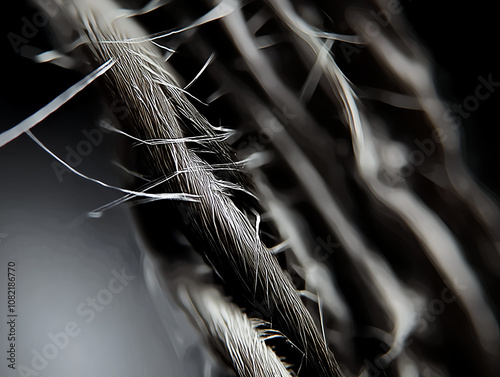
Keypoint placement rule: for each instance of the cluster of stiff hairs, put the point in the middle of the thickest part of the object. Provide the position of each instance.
(323, 259)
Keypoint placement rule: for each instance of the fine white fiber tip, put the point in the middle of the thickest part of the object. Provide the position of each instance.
(55, 104)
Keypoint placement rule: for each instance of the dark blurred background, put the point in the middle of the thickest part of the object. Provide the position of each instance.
(463, 38)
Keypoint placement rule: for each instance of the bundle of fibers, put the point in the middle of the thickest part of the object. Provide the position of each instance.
(311, 238)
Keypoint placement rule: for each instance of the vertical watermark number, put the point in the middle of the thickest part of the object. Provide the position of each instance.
(11, 314)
